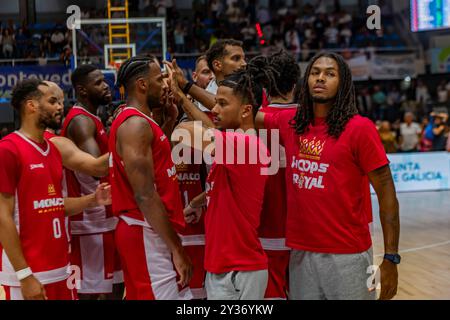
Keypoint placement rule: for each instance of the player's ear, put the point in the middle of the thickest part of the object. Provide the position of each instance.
(247, 111)
(81, 90)
(31, 105)
(217, 65)
(141, 84)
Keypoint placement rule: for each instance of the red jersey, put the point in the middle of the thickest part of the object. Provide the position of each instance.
(235, 193)
(92, 220)
(48, 135)
(33, 173)
(273, 216)
(327, 183)
(190, 183)
(166, 183)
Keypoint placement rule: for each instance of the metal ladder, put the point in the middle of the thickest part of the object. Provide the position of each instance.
(118, 33)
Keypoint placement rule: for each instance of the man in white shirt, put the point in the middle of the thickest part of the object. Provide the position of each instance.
(409, 133)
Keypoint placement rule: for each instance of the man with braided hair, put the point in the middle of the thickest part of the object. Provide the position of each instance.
(332, 153)
(235, 261)
(144, 189)
(273, 217)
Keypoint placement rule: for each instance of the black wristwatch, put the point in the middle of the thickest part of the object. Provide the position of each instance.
(394, 258)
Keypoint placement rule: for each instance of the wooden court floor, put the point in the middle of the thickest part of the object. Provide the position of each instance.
(424, 245)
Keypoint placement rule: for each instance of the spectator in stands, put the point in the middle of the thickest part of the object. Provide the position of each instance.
(442, 93)
(263, 15)
(179, 35)
(332, 36)
(248, 35)
(439, 121)
(7, 43)
(426, 140)
(216, 9)
(409, 134)
(379, 102)
(422, 95)
(346, 36)
(292, 40)
(57, 40)
(387, 137)
(21, 43)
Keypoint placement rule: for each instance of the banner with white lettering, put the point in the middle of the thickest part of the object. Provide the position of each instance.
(393, 66)
(60, 74)
(426, 171)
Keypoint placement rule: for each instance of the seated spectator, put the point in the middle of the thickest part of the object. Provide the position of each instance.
(387, 137)
(409, 134)
(57, 40)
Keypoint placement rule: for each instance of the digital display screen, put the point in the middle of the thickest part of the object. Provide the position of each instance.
(430, 15)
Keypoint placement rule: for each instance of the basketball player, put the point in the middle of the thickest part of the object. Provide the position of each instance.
(72, 157)
(145, 190)
(273, 216)
(234, 258)
(34, 245)
(92, 232)
(224, 57)
(332, 154)
(202, 75)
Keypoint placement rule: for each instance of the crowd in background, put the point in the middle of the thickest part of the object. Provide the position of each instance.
(399, 109)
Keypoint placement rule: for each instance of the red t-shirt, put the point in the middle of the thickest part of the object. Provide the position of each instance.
(272, 230)
(235, 194)
(328, 185)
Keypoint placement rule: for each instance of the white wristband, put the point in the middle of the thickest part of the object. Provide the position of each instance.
(24, 273)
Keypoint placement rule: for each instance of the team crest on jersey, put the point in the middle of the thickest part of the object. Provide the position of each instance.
(51, 190)
(311, 149)
(163, 137)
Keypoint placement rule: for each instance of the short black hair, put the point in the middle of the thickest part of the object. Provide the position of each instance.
(24, 90)
(289, 72)
(80, 74)
(250, 81)
(132, 68)
(217, 50)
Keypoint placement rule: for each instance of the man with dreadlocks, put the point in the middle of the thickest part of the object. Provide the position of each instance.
(235, 261)
(273, 217)
(332, 153)
(145, 189)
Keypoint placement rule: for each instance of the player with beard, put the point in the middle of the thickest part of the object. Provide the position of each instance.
(72, 157)
(332, 153)
(34, 245)
(145, 190)
(92, 232)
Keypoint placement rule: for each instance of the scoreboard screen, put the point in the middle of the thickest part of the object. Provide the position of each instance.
(429, 15)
